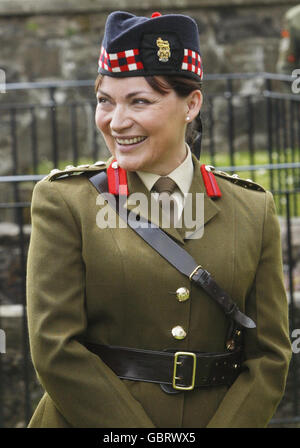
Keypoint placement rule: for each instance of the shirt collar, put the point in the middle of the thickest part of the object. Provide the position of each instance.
(182, 175)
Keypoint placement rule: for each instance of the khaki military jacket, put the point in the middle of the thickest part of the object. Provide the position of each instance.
(107, 286)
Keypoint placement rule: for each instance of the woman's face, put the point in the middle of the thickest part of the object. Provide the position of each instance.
(143, 129)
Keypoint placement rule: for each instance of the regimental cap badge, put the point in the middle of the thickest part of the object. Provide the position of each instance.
(164, 52)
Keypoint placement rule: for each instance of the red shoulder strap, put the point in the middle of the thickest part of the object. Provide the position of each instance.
(117, 179)
(212, 188)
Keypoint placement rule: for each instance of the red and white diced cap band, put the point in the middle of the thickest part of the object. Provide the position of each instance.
(130, 60)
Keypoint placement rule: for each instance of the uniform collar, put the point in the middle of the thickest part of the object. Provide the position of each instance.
(182, 175)
(135, 184)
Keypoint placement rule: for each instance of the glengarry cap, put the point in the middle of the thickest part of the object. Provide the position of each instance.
(141, 46)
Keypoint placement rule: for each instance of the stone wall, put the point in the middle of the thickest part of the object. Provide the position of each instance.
(61, 40)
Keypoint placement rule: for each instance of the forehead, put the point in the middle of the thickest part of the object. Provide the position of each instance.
(124, 85)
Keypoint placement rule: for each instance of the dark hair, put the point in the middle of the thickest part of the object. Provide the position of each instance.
(183, 86)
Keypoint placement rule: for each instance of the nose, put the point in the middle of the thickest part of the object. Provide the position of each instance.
(120, 119)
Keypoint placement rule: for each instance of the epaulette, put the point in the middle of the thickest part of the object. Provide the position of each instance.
(234, 178)
(74, 170)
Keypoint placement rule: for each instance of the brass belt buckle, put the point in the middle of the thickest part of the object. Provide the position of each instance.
(176, 362)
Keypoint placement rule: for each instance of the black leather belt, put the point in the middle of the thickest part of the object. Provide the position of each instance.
(182, 370)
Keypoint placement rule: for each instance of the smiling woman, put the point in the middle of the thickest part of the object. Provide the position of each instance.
(190, 330)
(144, 128)
(186, 90)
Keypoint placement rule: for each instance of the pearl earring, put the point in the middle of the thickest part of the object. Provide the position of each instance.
(187, 118)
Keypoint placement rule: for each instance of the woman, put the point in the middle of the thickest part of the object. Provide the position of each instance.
(107, 311)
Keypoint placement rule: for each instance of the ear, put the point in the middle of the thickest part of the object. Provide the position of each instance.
(194, 103)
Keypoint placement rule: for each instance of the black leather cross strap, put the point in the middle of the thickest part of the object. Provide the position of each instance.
(210, 369)
(174, 254)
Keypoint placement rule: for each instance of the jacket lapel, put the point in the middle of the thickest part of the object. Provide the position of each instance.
(210, 208)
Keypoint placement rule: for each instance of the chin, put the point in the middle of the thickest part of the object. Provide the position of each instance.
(129, 165)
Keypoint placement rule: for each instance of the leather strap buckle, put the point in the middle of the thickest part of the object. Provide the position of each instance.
(194, 271)
(176, 363)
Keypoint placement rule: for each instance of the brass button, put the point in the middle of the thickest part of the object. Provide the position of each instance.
(209, 167)
(182, 294)
(178, 332)
(230, 345)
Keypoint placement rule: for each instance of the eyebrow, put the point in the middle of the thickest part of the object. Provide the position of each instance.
(138, 92)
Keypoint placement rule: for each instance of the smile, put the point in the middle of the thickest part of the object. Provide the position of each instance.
(130, 141)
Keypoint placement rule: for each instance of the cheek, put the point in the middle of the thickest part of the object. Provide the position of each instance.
(97, 119)
(101, 120)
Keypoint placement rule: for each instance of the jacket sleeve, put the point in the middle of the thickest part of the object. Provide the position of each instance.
(83, 388)
(253, 398)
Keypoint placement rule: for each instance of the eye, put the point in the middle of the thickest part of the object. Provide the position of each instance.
(141, 101)
(101, 100)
